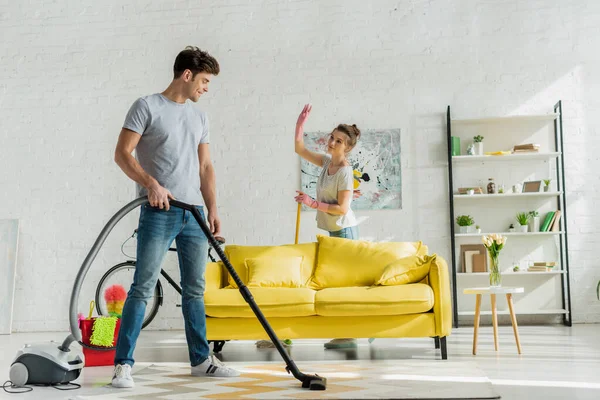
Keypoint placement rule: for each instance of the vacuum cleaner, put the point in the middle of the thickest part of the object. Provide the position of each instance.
(51, 363)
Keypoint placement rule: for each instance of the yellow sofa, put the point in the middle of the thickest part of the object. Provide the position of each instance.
(331, 288)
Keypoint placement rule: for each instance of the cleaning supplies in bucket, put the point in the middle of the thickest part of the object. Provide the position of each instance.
(99, 336)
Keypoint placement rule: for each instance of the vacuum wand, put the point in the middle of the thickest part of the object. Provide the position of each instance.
(313, 382)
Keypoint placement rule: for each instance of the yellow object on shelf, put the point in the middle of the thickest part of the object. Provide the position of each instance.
(497, 153)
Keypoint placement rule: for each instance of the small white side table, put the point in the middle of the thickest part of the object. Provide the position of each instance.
(508, 291)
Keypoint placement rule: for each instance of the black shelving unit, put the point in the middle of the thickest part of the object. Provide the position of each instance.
(563, 235)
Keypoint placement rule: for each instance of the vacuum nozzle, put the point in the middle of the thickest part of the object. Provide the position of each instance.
(314, 382)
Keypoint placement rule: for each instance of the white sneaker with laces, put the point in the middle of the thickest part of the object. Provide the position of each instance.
(212, 366)
(122, 377)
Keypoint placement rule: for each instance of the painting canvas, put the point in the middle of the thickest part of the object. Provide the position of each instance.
(9, 236)
(376, 164)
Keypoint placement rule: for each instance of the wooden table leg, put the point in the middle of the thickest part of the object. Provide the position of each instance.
(495, 321)
(513, 319)
(476, 322)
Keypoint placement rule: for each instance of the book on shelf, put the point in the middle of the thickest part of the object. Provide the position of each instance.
(539, 269)
(526, 148)
(548, 221)
(556, 221)
(476, 190)
(544, 264)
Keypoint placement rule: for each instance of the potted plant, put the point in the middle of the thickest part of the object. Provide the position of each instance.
(477, 229)
(464, 222)
(547, 184)
(534, 225)
(522, 219)
(470, 191)
(478, 145)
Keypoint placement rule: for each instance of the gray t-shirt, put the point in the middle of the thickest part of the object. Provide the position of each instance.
(168, 149)
(328, 187)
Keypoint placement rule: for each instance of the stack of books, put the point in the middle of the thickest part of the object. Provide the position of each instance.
(551, 222)
(541, 266)
(526, 148)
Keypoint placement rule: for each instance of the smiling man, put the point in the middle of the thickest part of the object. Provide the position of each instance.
(171, 139)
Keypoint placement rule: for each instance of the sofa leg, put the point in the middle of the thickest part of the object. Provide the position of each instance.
(437, 341)
(443, 347)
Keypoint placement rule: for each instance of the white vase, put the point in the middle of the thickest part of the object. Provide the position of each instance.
(463, 229)
(478, 147)
(523, 228)
(534, 224)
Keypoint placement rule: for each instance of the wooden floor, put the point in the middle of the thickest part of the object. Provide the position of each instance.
(557, 362)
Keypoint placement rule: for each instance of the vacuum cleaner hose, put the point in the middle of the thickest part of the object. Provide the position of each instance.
(73, 320)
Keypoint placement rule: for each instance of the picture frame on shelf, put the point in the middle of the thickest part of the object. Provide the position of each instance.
(531, 187)
(478, 253)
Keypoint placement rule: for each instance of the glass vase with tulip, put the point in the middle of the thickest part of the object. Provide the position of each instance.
(494, 243)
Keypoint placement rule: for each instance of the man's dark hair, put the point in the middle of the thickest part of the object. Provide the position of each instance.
(195, 60)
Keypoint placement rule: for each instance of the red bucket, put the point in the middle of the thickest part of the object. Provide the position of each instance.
(96, 356)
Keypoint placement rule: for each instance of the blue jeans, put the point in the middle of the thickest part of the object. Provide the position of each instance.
(346, 233)
(156, 231)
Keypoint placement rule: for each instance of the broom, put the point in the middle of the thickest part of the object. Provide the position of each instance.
(297, 222)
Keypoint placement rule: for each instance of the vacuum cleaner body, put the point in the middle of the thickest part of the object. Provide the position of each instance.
(46, 364)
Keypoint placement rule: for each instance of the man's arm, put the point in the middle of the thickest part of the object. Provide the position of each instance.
(128, 140)
(208, 187)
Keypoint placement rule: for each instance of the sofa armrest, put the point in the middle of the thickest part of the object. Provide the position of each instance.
(439, 281)
(213, 276)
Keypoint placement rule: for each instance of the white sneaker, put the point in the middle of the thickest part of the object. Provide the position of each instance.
(212, 366)
(122, 377)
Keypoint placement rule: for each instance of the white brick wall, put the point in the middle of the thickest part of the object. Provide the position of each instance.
(70, 70)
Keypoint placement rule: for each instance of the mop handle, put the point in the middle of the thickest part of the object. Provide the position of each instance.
(298, 222)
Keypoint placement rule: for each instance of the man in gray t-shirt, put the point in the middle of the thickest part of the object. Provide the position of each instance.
(170, 138)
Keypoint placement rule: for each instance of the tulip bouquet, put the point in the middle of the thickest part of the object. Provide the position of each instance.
(494, 243)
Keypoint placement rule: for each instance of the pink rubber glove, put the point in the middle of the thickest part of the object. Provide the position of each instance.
(301, 120)
(310, 202)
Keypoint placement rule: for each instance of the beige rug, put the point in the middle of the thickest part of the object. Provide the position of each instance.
(363, 379)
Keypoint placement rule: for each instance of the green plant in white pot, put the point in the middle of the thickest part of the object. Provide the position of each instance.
(523, 219)
(464, 223)
(478, 145)
(547, 185)
(534, 221)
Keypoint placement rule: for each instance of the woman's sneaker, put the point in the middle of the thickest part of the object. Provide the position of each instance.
(122, 377)
(341, 344)
(212, 366)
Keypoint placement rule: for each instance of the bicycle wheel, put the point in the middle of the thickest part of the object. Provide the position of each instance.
(122, 274)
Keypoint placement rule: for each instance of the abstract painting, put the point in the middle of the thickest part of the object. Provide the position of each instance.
(9, 237)
(376, 164)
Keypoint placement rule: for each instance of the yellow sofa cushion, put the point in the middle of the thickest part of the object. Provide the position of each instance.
(376, 300)
(405, 270)
(238, 254)
(273, 302)
(345, 263)
(275, 272)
